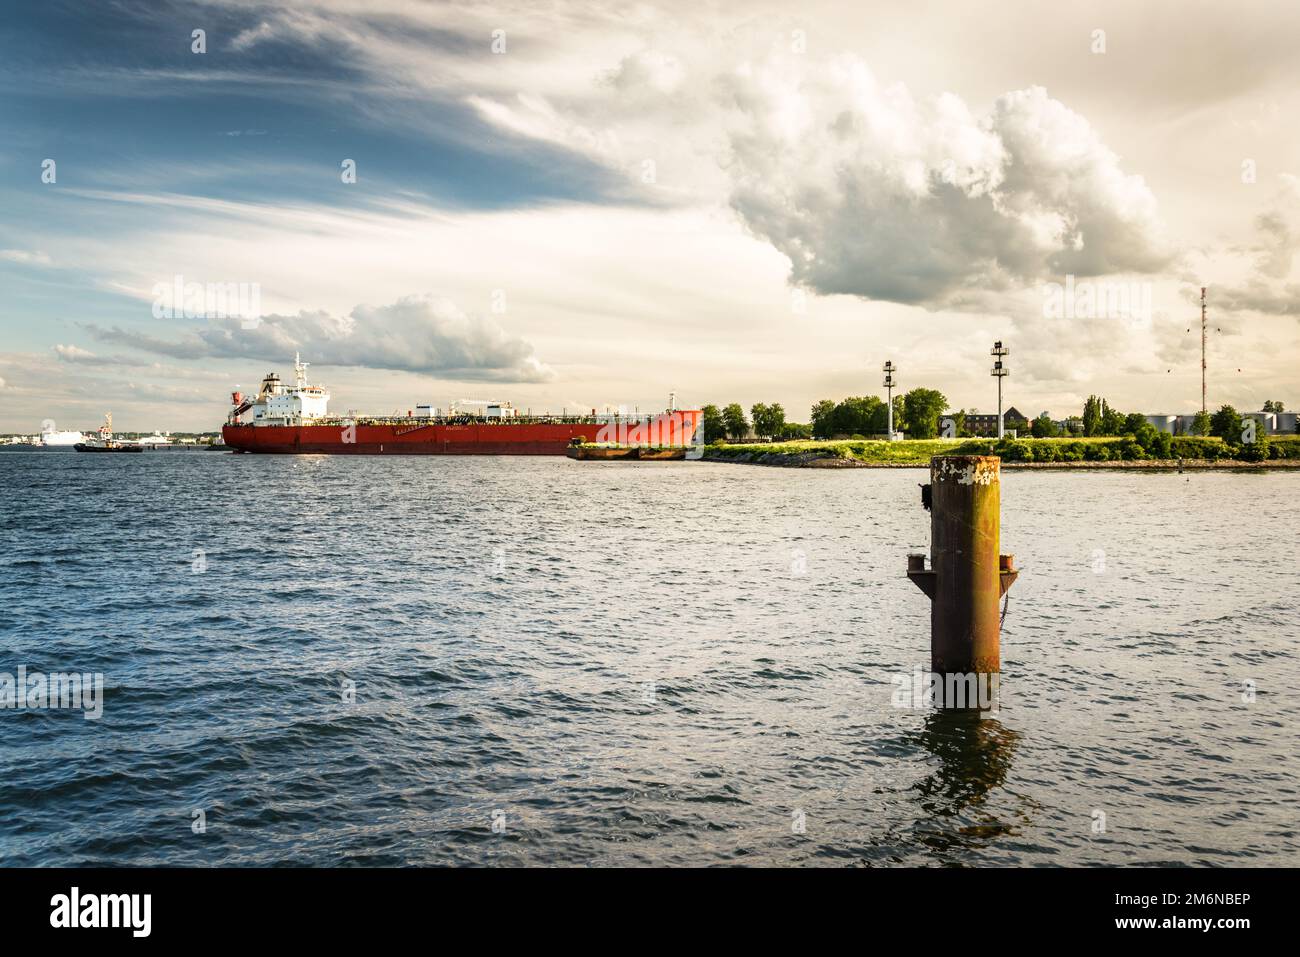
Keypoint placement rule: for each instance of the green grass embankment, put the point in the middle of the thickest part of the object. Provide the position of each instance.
(1101, 451)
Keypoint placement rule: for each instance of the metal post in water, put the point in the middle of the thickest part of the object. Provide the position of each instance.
(967, 575)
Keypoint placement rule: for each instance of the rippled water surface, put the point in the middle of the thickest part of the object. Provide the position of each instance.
(657, 663)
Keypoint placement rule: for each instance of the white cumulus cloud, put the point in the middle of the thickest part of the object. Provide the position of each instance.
(420, 334)
(872, 193)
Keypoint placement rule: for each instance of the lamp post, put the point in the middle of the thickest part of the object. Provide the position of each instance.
(999, 372)
(889, 370)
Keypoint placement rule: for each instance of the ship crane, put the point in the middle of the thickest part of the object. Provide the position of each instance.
(241, 403)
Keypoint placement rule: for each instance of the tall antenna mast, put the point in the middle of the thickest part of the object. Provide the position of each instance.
(1203, 408)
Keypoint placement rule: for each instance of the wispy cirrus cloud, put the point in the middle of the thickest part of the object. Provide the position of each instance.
(26, 257)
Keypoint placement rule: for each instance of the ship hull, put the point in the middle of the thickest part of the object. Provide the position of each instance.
(622, 453)
(472, 439)
(82, 447)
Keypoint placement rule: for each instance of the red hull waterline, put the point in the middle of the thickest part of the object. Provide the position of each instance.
(473, 439)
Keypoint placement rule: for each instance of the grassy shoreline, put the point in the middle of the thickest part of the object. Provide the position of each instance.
(1118, 452)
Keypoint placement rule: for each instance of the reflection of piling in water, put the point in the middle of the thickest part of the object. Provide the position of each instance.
(967, 574)
(975, 756)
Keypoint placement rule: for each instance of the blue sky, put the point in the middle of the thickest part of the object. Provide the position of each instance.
(595, 204)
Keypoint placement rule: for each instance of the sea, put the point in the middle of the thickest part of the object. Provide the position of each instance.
(500, 661)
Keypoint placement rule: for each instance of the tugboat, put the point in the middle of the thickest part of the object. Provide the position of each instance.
(106, 442)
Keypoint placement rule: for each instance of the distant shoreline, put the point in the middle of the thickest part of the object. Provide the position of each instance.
(909, 455)
(805, 461)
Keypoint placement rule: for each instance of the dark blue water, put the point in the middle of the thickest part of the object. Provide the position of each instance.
(673, 663)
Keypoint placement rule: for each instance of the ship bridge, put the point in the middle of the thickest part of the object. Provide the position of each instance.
(277, 404)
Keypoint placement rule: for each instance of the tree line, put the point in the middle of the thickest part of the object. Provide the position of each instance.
(767, 422)
(1100, 419)
(916, 413)
(919, 413)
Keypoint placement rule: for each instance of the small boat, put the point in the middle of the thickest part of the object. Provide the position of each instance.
(95, 445)
(587, 452)
(106, 442)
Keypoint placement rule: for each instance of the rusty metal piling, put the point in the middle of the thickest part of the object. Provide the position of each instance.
(968, 574)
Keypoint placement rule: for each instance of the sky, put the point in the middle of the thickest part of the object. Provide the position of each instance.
(589, 205)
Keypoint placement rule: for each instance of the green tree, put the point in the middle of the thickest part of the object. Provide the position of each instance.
(769, 420)
(1226, 424)
(1044, 428)
(1092, 416)
(711, 421)
(1161, 444)
(1201, 423)
(775, 420)
(856, 415)
(921, 410)
(823, 419)
(1132, 422)
(1112, 420)
(880, 416)
(1273, 406)
(796, 430)
(734, 421)
(1147, 436)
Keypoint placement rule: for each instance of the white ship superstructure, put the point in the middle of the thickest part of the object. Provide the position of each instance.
(278, 404)
(156, 440)
(50, 436)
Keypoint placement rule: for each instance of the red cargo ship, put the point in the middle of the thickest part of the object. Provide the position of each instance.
(293, 419)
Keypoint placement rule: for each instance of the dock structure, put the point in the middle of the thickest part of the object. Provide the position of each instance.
(968, 574)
